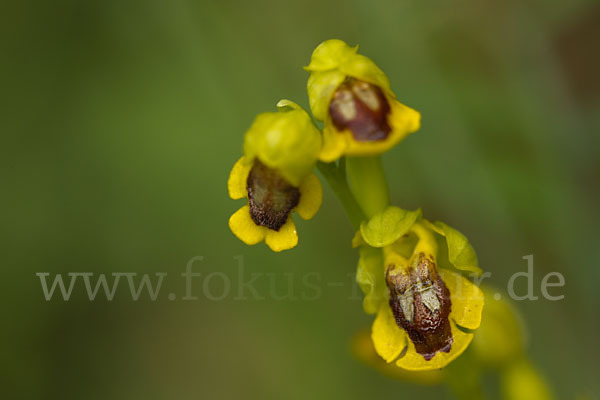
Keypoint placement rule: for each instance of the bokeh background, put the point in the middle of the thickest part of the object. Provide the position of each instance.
(120, 123)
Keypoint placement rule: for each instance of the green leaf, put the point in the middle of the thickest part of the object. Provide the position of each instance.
(386, 227)
(460, 252)
(370, 277)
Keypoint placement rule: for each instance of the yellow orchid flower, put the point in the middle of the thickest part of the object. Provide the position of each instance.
(425, 310)
(275, 176)
(352, 96)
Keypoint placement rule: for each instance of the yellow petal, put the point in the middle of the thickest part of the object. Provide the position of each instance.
(403, 120)
(284, 239)
(362, 347)
(413, 361)
(311, 196)
(334, 143)
(236, 184)
(389, 340)
(467, 299)
(242, 226)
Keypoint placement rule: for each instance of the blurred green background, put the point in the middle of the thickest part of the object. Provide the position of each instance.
(121, 121)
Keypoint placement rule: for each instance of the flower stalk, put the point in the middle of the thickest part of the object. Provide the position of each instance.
(335, 175)
(367, 182)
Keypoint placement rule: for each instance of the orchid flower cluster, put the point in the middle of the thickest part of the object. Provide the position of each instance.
(412, 271)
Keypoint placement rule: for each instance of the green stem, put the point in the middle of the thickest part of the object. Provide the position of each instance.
(335, 175)
(367, 182)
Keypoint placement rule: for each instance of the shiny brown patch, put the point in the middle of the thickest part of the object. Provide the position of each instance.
(421, 305)
(362, 108)
(271, 198)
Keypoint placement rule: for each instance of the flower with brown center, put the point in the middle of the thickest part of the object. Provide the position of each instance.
(408, 270)
(352, 96)
(275, 175)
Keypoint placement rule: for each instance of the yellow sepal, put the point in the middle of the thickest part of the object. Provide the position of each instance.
(311, 196)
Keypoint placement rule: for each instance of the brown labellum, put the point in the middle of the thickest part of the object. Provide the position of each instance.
(362, 108)
(271, 198)
(421, 305)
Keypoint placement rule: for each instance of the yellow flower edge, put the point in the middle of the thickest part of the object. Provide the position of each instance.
(467, 299)
(329, 54)
(402, 119)
(236, 184)
(362, 348)
(243, 226)
(392, 343)
(311, 196)
(389, 339)
(413, 361)
(284, 239)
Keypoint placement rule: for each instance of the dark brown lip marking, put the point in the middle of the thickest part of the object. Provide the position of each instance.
(420, 302)
(271, 197)
(362, 108)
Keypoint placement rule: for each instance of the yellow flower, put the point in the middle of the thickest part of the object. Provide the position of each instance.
(407, 270)
(352, 96)
(271, 199)
(275, 175)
